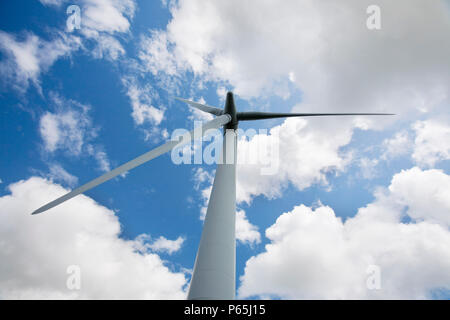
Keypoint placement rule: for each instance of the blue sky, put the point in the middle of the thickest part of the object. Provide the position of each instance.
(348, 194)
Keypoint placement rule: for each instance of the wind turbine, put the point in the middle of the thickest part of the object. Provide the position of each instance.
(215, 265)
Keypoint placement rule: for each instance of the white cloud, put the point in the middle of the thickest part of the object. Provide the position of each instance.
(304, 157)
(103, 161)
(101, 157)
(246, 232)
(65, 130)
(201, 176)
(108, 15)
(49, 130)
(368, 167)
(56, 3)
(101, 21)
(432, 142)
(397, 146)
(109, 47)
(141, 102)
(156, 55)
(58, 173)
(27, 58)
(164, 245)
(70, 129)
(428, 142)
(324, 48)
(100, 18)
(203, 182)
(423, 193)
(81, 232)
(314, 254)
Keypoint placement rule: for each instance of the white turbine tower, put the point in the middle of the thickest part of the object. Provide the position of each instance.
(215, 265)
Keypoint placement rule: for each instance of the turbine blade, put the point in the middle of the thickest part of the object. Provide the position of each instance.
(213, 110)
(213, 124)
(248, 116)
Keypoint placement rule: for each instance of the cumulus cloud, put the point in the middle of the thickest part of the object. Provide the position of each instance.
(400, 144)
(141, 102)
(70, 129)
(295, 153)
(82, 233)
(52, 2)
(202, 176)
(323, 48)
(109, 16)
(162, 244)
(26, 58)
(59, 174)
(368, 167)
(246, 232)
(100, 156)
(314, 254)
(101, 20)
(64, 130)
(432, 142)
(108, 47)
(423, 194)
(103, 160)
(156, 55)
(427, 142)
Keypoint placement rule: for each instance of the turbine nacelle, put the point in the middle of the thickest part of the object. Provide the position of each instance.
(230, 108)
